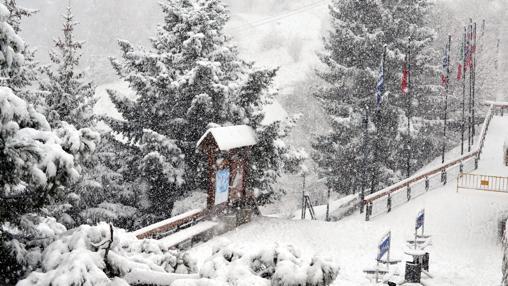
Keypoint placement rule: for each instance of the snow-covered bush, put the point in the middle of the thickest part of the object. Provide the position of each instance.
(88, 256)
(276, 266)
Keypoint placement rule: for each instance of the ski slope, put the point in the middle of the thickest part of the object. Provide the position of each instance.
(463, 225)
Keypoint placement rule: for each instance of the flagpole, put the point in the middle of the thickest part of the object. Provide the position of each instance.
(375, 172)
(410, 91)
(446, 95)
(469, 50)
(473, 71)
(365, 156)
(463, 92)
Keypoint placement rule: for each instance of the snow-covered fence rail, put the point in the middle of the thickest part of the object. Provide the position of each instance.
(170, 224)
(397, 194)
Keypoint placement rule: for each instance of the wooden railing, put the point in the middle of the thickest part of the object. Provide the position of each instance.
(170, 224)
(424, 178)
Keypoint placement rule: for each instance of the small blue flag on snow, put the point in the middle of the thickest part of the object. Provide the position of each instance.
(380, 86)
(384, 245)
(420, 219)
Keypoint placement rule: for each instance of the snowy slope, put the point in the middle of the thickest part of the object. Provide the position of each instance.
(465, 247)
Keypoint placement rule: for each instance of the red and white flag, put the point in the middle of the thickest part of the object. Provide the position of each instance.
(405, 74)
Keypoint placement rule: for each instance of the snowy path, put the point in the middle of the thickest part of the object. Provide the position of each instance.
(465, 248)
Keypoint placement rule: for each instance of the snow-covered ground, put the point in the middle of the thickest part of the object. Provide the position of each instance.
(463, 225)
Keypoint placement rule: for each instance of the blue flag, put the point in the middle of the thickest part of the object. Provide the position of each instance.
(384, 245)
(420, 219)
(380, 86)
(444, 72)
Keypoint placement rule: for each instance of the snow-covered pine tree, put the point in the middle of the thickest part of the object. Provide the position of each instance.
(101, 193)
(23, 73)
(192, 77)
(108, 192)
(35, 165)
(411, 19)
(68, 96)
(16, 14)
(353, 54)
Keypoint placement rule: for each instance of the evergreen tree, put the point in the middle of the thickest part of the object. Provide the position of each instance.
(192, 77)
(68, 97)
(353, 54)
(101, 193)
(36, 163)
(22, 74)
(411, 19)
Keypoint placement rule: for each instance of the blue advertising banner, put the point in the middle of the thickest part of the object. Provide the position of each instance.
(221, 186)
(384, 245)
(420, 219)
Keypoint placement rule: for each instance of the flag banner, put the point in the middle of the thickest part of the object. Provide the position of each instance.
(384, 245)
(469, 48)
(420, 219)
(460, 61)
(405, 73)
(444, 71)
(380, 86)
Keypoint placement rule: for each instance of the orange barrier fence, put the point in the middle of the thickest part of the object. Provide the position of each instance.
(482, 183)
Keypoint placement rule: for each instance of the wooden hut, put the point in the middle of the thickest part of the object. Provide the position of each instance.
(228, 150)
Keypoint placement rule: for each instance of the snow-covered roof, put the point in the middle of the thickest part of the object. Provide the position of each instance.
(231, 137)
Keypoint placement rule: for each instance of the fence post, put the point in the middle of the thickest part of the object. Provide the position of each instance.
(362, 202)
(476, 163)
(461, 168)
(389, 203)
(368, 210)
(427, 183)
(443, 176)
(408, 193)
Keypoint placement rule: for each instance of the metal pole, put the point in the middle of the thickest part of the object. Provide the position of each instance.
(470, 54)
(303, 197)
(389, 248)
(416, 235)
(328, 206)
(374, 182)
(473, 71)
(388, 254)
(497, 56)
(377, 271)
(463, 92)
(410, 91)
(446, 96)
(365, 157)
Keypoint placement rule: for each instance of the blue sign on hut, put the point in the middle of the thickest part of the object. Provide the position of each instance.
(228, 149)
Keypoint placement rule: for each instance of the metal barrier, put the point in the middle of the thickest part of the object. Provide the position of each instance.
(383, 200)
(482, 183)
